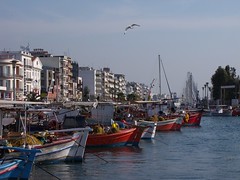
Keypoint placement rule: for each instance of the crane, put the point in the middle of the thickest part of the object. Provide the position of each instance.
(150, 89)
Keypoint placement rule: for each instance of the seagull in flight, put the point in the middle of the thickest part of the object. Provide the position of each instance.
(130, 27)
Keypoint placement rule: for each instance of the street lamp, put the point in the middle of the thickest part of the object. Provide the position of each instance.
(205, 91)
(14, 62)
(207, 94)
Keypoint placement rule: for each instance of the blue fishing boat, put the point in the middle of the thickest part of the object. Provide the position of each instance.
(15, 165)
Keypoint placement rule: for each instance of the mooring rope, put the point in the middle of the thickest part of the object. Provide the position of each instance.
(47, 171)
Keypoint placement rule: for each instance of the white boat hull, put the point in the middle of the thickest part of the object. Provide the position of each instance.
(54, 152)
(150, 131)
(71, 148)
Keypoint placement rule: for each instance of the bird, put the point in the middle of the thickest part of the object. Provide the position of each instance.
(130, 27)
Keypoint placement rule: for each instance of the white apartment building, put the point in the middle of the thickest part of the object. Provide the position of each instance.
(99, 84)
(20, 74)
(102, 84)
(120, 82)
(36, 75)
(137, 88)
(89, 76)
(108, 84)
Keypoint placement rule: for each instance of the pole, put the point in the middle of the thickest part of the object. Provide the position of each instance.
(14, 78)
(207, 95)
(57, 82)
(160, 91)
(1, 125)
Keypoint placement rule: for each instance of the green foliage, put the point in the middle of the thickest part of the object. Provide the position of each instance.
(86, 93)
(32, 96)
(224, 77)
(121, 97)
(132, 97)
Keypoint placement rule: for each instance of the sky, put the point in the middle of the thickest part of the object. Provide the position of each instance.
(195, 36)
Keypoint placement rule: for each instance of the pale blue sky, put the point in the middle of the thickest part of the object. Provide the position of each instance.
(193, 36)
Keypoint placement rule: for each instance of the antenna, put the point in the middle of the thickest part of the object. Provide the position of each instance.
(27, 48)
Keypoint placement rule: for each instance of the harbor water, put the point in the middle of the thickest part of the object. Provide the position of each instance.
(211, 151)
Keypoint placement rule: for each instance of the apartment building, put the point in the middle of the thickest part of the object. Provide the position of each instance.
(61, 80)
(108, 84)
(120, 83)
(77, 82)
(138, 89)
(89, 76)
(20, 74)
(102, 84)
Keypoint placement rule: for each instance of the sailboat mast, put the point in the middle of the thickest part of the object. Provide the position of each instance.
(166, 79)
(160, 90)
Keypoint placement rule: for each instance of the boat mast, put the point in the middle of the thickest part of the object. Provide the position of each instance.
(166, 79)
(160, 91)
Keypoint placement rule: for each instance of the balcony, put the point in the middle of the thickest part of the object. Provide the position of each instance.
(10, 76)
(19, 89)
(6, 75)
(19, 76)
(29, 79)
(28, 66)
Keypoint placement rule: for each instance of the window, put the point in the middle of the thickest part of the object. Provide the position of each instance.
(8, 73)
(8, 95)
(8, 84)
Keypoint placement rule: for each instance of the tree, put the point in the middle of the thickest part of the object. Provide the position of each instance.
(86, 94)
(32, 96)
(133, 97)
(218, 79)
(121, 97)
(231, 72)
(224, 77)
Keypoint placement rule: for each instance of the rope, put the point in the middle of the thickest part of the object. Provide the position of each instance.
(47, 171)
(100, 157)
(79, 144)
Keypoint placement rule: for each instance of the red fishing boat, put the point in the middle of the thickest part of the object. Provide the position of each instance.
(192, 119)
(123, 137)
(236, 112)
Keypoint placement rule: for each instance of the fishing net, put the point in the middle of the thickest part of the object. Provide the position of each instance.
(30, 140)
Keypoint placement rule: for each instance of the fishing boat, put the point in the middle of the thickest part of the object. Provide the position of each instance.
(70, 148)
(170, 124)
(17, 166)
(150, 131)
(123, 137)
(55, 145)
(236, 111)
(106, 132)
(221, 110)
(107, 135)
(192, 119)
